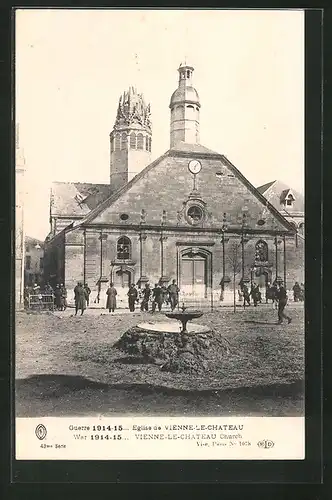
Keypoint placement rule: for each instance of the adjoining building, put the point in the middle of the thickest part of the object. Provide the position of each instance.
(34, 262)
(287, 201)
(190, 215)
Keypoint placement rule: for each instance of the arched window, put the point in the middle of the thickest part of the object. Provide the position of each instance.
(261, 251)
(301, 227)
(123, 140)
(188, 74)
(133, 140)
(147, 143)
(123, 248)
(150, 141)
(117, 142)
(139, 141)
(112, 145)
(191, 111)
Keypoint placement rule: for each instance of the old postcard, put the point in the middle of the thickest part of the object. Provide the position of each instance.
(159, 234)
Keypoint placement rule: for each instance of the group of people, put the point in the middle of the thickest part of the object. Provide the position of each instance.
(298, 292)
(276, 292)
(58, 294)
(255, 293)
(157, 296)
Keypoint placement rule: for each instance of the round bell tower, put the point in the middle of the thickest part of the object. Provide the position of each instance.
(185, 107)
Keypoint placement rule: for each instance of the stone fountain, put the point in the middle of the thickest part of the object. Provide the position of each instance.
(185, 349)
(184, 316)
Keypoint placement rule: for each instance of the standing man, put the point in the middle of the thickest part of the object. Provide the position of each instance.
(80, 298)
(63, 297)
(173, 290)
(282, 301)
(146, 296)
(58, 294)
(296, 292)
(246, 295)
(111, 298)
(157, 294)
(132, 297)
(88, 291)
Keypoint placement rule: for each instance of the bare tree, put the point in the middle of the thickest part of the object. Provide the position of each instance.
(234, 259)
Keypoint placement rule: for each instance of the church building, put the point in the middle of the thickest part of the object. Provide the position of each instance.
(190, 215)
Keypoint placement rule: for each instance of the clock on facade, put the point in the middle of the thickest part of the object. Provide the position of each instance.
(194, 166)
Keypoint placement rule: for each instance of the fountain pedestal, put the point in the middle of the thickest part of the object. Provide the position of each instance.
(184, 317)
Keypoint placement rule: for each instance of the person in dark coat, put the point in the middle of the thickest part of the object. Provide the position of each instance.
(48, 290)
(88, 291)
(111, 298)
(255, 294)
(259, 295)
(146, 293)
(282, 301)
(173, 291)
(296, 292)
(132, 297)
(58, 296)
(246, 295)
(80, 298)
(157, 294)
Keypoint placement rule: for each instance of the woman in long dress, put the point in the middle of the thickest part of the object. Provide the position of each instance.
(111, 298)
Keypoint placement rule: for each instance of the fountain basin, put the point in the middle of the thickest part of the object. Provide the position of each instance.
(172, 327)
(184, 317)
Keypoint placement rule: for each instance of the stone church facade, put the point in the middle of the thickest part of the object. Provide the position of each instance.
(190, 215)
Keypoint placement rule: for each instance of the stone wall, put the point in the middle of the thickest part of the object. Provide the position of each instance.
(88, 257)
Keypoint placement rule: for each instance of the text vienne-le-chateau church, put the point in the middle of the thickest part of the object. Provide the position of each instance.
(190, 215)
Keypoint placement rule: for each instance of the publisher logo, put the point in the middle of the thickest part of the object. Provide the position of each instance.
(41, 431)
(265, 443)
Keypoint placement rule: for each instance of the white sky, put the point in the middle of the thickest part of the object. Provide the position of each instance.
(72, 66)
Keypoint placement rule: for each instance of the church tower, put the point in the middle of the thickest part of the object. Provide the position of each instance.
(130, 139)
(185, 108)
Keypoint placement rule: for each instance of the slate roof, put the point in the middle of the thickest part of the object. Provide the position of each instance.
(77, 198)
(275, 192)
(265, 187)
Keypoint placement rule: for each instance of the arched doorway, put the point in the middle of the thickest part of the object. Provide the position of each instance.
(194, 273)
(122, 279)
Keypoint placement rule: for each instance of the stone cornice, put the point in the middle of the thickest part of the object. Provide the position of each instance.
(187, 229)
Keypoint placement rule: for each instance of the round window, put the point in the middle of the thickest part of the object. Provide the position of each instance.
(124, 216)
(195, 214)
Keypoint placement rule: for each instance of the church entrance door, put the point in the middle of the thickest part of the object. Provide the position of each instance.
(122, 282)
(193, 279)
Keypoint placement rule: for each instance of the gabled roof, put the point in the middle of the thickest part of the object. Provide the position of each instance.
(108, 201)
(195, 150)
(265, 187)
(276, 191)
(77, 198)
(29, 240)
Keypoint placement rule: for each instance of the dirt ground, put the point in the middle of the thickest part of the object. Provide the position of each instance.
(66, 365)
